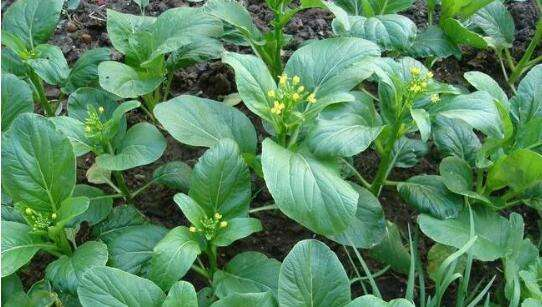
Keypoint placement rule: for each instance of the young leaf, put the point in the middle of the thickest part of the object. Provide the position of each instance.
(519, 170)
(50, 64)
(408, 152)
(312, 275)
(220, 181)
(126, 82)
(18, 246)
(369, 226)
(235, 14)
(182, 293)
(455, 137)
(193, 212)
(330, 204)
(75, 131)
(391, 251)
(66, 272)
(105, 286)
(423, 121)
(483, 82)
(461, 35)
(527, 104)
(238, 228)
(433, 42)
(38, 163)
(120, 218)
(98, 208)
(173, 256)
(84, 72)
(262, 299)
(142, 145)
(175, 175)
(248, 272)
(497, 23)
(16, 99)
(428, 194)
(127, 33)
(70, 208)
(32, 21)
(203, 122)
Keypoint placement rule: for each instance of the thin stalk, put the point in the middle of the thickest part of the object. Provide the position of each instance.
(386, 163)
(480, 180)
(119, 179)
(42, 98)
(263, 208)
(372, 282)
(522, 64)
(293, 138)
(364, 90)
(277, 65)
(120, 195)
(212, 255)
(392, 183)
(167, 88)
(144, 187)
(375, 275)
(360, 178)
(359, 278)
(202, 272)
(504, 72)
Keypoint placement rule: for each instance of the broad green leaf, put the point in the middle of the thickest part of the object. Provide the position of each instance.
(142, 144)
(527, 104)
(75, 131)
(391, 32)
(262, 299)
(16, 99)
(50, 64)
(248, 272)
(407, 152)
(532, 196)
(423, 121)
(332, 67)
(369, 226)
(312, 275)
(198, 50)
(131, 247)
(173, 256)
(203, 122)
(477, 109)
(461, 35)
(32, 21)
(429, 194)
(530, 135)
(235, 14)
(126, 82)
(391, 251)
(434, 42)
(193, 212)
(518, 170)
(373, 301)
(98, 208)
(307, 190)
(483, 82)
(18, 246)
(38, 163)
(492, 231)
(238, 228)
(220, 181)
(105, 286)
(175, 175)
(70, 208)
(253, 82)
(98, 175)
(66, 272)
(84, 72)
(11, 285)
(182, 293)
(496, 23)
(130, 34)
(13, 64)
(381, 7)
(120, 218)
(455, 137)
(457, 176)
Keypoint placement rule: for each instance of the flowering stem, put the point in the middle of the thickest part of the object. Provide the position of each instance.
(212, 255)
(45, 104)
(386, 163)
(263, 208)
(360, 178)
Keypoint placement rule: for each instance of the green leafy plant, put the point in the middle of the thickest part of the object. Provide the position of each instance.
(154, 48)
(267, 46)
(38, 167)
(26, 28)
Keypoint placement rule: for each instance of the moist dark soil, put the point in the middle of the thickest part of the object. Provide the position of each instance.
(85, 28)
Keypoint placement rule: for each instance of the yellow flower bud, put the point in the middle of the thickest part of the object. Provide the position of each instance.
(296, 97)
(223, 224)
(301, 89)
(277, 108)
(87, 128)
(435, 98)
(218, 216)
(296, 80)
(28, 211)
(192, 229)
(415, 71)
(423, 85)
(271, 93)
(282, 79)
(54, 216)
(429, 75)
(311, 98)
(415, 88)
(101, 109)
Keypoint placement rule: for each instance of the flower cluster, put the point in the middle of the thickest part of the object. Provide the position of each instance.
(289, 94)
(94, 125)
(38, 220)
(419, 82)
(210, 225)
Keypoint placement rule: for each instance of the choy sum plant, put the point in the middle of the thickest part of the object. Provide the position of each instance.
(38, 171)
(26, 27)
(267, 46)
(96, 123)
(154, 48)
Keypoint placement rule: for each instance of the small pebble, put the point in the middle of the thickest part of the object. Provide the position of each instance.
(86, 38)
(71, 27)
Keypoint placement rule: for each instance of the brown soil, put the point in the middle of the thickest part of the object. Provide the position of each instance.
(85, 28)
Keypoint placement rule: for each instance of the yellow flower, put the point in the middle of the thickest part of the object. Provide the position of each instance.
(429, 75)
(192, 229)
(271, 93)
(101, 109)
(282, 79)
(300, 89)
(223, 224)
(296, 97)
(218, 216)
(423, 85)
(435, 98)
(277, 108)
(87, 128)
(311, 98)
(415, 71)
(54, 216)
(28, 211)
(296, 80)
(415, 88)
